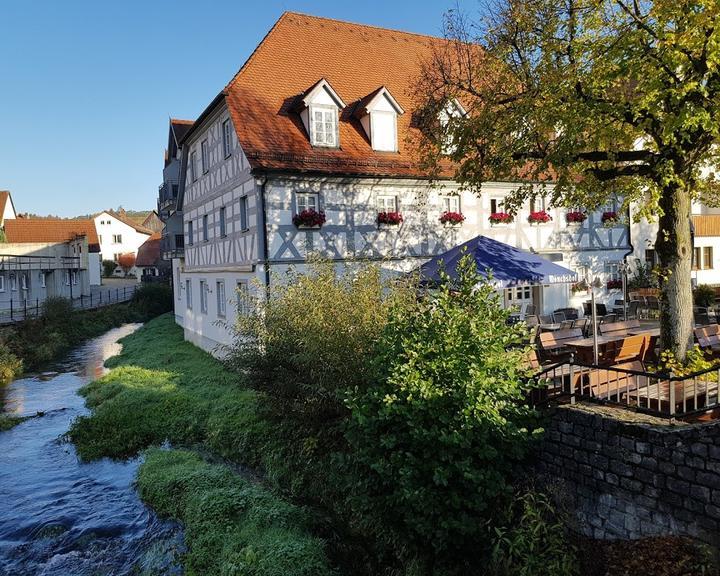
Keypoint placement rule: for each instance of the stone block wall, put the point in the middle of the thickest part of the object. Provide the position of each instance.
(633, 476)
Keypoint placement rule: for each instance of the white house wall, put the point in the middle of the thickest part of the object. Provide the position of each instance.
(107, 227)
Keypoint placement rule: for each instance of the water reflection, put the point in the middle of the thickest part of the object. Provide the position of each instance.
(61, 517)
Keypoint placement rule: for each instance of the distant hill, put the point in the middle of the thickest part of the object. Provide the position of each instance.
(137, 216)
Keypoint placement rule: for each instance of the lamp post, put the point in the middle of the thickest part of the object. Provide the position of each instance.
(592, 284)
(623, 269)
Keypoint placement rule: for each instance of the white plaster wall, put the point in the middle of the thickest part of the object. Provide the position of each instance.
(131, 238)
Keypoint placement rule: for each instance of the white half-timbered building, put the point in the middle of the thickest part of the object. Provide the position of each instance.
(321, 117)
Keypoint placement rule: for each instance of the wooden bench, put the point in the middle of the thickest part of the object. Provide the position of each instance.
(619, 328)
(708, 338)
(553, 344)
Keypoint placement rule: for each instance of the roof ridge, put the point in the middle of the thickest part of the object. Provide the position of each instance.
(359, 25)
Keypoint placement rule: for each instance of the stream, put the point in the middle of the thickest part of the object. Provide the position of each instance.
(63, 517)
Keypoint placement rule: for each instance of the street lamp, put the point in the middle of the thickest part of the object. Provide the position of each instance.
(624, 268)
(592, 283)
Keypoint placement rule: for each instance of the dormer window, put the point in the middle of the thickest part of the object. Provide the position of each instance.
(452, 111)
(324, 127)
(319, 108)
(378, 114)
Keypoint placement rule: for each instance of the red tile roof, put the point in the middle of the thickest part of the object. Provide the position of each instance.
(125, 220)
(356, 60)
(25, 230)
(148, 253)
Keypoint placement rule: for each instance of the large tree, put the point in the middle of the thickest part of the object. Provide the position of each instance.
(603, 97)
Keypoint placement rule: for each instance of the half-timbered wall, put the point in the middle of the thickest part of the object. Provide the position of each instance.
(228, 258)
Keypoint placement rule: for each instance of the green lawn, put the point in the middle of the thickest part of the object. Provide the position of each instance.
(163, 388)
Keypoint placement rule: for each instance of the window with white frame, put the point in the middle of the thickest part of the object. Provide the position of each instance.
(387, 203)
(324, 125)
(74, 277)
(612, 271)
(188, 294)
(307, 201)
(538, 204)
(191, 240)
(497, 205)
(244, 213)
(13, 282)
(42, 279)
(193, 166)
(23, 282)
(243, 298)
(2, 283)
(223, 223)
(451, 204)
(205, 227)
(205, 156)
(220, 293)
(117, 238)
(67, 278)
(227, 138)
(203, 297)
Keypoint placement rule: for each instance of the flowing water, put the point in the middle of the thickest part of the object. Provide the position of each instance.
(63, 517)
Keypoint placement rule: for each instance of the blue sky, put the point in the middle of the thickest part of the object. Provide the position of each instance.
(86, 87)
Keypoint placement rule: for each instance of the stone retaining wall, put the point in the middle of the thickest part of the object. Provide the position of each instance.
(633, 479)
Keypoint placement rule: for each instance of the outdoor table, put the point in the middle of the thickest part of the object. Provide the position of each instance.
(652, 332)
(549, 327)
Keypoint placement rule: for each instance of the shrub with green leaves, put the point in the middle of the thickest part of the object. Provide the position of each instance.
(151, 300)
(532, 540)
(435, 437)
(314, 338)
(704, 295)
(108, 267)
(10, 365)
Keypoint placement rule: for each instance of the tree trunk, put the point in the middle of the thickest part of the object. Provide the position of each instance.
(674, 248)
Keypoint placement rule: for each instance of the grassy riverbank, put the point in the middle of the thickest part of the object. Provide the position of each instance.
(163, 388)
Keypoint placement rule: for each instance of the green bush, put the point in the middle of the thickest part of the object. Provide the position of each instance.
(10, 365)
(108, 267)
(532, 540)
(704, 296)
(151, 300)
(232, 526)
(436, 436)
(313, 339)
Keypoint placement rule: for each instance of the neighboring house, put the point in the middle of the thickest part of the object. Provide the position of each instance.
(149, 264)
(320, 117)
(43, 258)
(706, 244)
(168, 210)
(153, 222)
(119, 235)
(7, 208)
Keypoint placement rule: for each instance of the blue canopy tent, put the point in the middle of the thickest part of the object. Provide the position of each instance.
(510, 266)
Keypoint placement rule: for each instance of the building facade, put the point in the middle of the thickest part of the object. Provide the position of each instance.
(328, 132)
(119, 235)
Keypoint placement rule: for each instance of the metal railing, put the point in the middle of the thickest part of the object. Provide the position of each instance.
(654, 393)
(20, 310)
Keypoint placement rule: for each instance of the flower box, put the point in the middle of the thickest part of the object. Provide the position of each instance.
(609, 219)
(579, 287)
(309, 219)
(539, 217)
(452, 218)
(575, 217)
(500, 218)
(614, 284)
(389, 218)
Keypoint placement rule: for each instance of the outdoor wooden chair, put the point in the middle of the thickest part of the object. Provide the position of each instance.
(553, 345)
(708, 338)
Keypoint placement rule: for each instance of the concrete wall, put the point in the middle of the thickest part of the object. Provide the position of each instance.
(634, 476)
